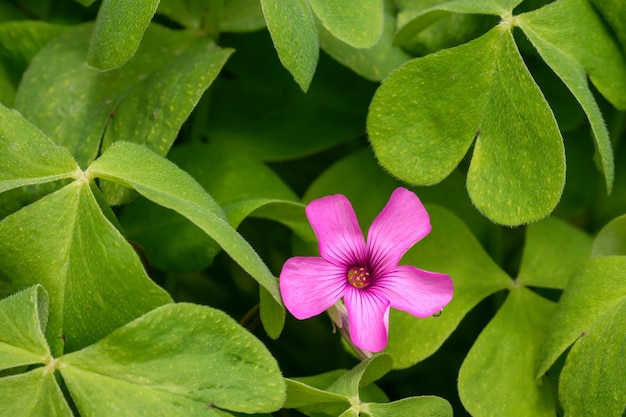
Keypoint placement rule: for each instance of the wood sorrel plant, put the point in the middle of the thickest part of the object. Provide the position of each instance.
(156, 159)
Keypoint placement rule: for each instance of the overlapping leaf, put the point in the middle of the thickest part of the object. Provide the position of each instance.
(517, 170)
(358, 23)
(145, 101)
(94, 278)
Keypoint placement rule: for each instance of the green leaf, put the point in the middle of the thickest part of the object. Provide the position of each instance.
(117, 33)
(572, 49)
(426, 406)
(475, 276)
(7, 89)
(357, 23)
(33, 394)
(179, 359)
(292, 27)
(161, 181)
(27, 156)
(374, 63)
(145, 101)
(496, 378)
(592, 380)
(300, 394)
(597, 290)
(611, 240)
(95, 280)
(517, 171)
(24, 316)
(553, 252)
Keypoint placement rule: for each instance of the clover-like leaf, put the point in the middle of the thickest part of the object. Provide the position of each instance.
(118, 32)
(496, 378)
(517, 171)
(145, 101)
(179, 359)
(95, 280)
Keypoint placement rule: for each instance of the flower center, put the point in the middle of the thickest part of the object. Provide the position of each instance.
(358, 277)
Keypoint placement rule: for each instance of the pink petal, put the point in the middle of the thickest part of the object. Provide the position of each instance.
(338, 232)
(418, 292)
(310, 286)
(369, 319)
(401, 224)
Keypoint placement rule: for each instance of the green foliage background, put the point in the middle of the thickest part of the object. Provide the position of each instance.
(156, 158)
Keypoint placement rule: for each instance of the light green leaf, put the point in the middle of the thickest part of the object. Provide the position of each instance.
(145, 101)
(552, 253)
(293, 32)
(592, 381)
(24, 317)
(179, 359)
(426, 406)
(374, 63)
(33, 394)
(118, 31)
(573, 49)
(517, 171)
(358, 23)
(496, 378)
(611, 240)
(27, 156)
(161, 181)
(94, 278)
(597, 289)
(475, 276)
(363, 374)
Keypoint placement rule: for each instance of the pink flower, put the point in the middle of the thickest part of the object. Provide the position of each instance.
(365, 274)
